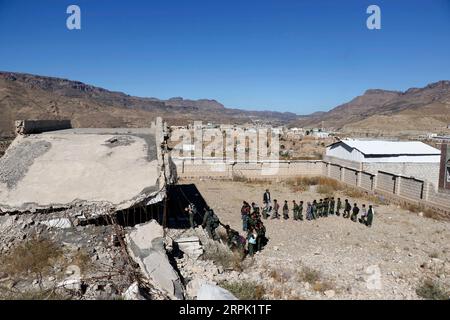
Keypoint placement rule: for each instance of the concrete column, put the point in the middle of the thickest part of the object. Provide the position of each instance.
(398, 183)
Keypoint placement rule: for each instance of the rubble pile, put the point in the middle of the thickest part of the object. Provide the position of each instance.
(91, 263)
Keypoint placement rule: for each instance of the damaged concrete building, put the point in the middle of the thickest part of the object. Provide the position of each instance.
(91, 170)
(71, 179)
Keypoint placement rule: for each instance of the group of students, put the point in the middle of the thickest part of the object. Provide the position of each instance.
(318, 209)
(256, 232)
(253, 225)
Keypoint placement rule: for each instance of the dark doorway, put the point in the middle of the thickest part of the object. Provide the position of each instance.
(179, 197)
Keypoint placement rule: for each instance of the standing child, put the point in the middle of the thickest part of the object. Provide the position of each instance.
(276, 207)
(300, 211)
(251, 241)
(338, 207)
(347, 209)
(309, 211)
(331, 210)
(295, 210)
(355, 213)
(285, 210)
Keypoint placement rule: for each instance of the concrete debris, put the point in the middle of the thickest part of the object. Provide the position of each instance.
(145, 243)
(133, 293)
(329, 293)
(73, 281)
(71, 284)
(61, 169)
(213, 292)
(62, 223)
(118, 141)
(190, 246)
(194, 285)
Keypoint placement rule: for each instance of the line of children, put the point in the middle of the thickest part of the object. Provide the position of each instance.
(322, 208)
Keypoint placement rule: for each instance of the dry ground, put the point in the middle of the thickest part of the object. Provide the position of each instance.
(334, 255)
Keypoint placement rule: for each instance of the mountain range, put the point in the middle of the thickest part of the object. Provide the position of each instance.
(26, 96)
(384, 112)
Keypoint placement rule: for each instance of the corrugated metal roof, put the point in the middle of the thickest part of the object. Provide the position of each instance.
(380, 147)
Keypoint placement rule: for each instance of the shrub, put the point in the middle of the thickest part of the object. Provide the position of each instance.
(224, 257)
(427, 212)
(82, 260)
(277, 276)
(309, 275)
(245, 290)
(322, 286)
(326, 190)
(314, 278)
(432, 290)
(33, 294)
(34, 256)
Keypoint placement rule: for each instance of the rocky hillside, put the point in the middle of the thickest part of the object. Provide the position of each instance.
(381, 111)
(25, 96)
(378, 112)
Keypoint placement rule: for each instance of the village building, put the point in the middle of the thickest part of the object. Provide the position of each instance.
(408, 158)
(444, 173)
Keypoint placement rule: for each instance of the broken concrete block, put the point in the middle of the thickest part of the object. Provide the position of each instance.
(61, 223)
(209, 291)
(190, 246)
(71, 284)
(133, 293)
(146, 245)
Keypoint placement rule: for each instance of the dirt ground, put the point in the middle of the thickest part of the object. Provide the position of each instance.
(334, 257)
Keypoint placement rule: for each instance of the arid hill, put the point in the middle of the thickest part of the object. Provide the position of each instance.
(25, 96)
(377, 112)
(417, 110)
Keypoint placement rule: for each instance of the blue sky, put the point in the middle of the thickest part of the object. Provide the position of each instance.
(298, 56)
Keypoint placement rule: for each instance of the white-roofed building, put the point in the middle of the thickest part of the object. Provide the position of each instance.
(383, 151)
(408, 158)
